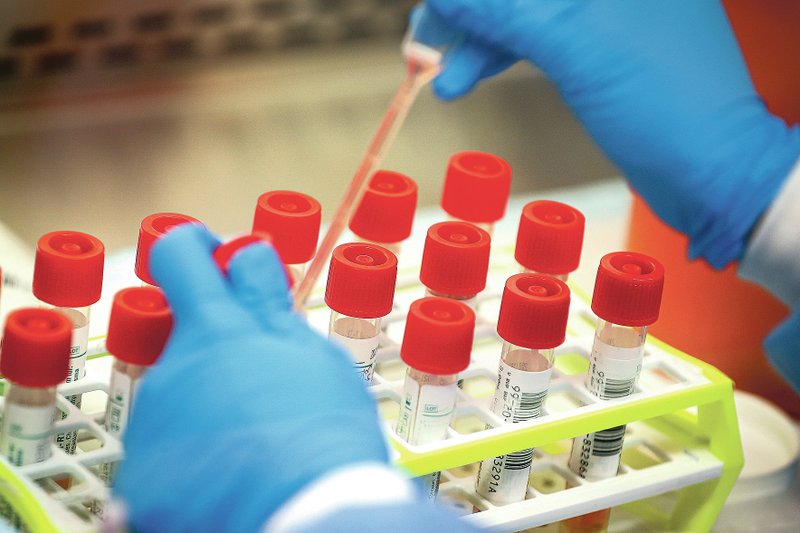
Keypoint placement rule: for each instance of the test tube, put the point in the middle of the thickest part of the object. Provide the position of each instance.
(550, 238)
(34, 358)
(436, 346)
(385, 215)
(626, 299)
(455, 261)
(138, 329)
(360, 292)
(292, 220)
(68, 275)
(476, 188)
(532, 323)
(151, 229)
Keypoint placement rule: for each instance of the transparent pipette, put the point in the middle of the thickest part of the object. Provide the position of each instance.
(424, 45)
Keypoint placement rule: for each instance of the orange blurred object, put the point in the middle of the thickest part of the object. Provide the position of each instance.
(715, 315)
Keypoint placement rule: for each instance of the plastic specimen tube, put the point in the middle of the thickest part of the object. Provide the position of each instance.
(292, 221)
(532, 323)
(455, 261)
(385, 215)
(549, 238)
(626, 299)
(68, 275)
(476, 188)
(151, 229)
(436, 347)
(138, 328)
(34, 358)
(360, 291)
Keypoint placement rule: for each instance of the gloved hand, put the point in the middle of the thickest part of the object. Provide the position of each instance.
(662, 88)
(247, 404)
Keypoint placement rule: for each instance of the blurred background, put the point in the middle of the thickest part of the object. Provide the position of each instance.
(112, 110)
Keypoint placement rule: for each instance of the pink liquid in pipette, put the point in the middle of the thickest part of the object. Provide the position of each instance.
(418, 74)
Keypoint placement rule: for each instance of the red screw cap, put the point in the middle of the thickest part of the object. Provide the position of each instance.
(628, 289)
(152, 228)
(68, 270)
(361, 280)
(225, 252)
(550, 237)
(292, 219)
(455, 260)
(386, 211)
(139, 325)
(36, 346)
(438, 336)
(534, 310)
(476, 187)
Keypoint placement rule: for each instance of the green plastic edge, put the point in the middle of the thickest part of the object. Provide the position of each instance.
(25, 505)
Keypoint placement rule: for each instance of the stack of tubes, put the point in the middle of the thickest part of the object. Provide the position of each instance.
(43, 347)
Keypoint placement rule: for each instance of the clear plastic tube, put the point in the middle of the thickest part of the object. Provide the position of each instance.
(296, 271)
(614, 369)
(360, 336)
(522, 384)
(77, 366)
(437, 394)
(469, 300)
(562, 277)
(122, 390)
(27, 426)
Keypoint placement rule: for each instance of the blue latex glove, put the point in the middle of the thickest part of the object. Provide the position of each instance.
(662, 88)
(247, 404)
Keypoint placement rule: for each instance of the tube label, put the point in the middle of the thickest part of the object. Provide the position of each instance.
(426, 412)
(613, 371)
(362, 351)
(77, 371)
(120, 397)
(26, 433)
(596, 456)
(519, 396)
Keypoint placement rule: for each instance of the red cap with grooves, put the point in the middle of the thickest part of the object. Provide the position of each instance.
(36, 347)
(550, 237)
(292, 219)
(139, 325)
(68, 271)
(438, 336)
(533, 312)
(225, 252)
(455, 260)
(628, 289)
(152, 228)
(361, 280)
(476, 187)
(386, 211)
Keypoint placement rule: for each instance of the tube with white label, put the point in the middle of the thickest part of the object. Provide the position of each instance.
(34, 359)
(360, 292)
(436, 346)
(138, 329)
(532, 323)
(68, 275)
(626, 299)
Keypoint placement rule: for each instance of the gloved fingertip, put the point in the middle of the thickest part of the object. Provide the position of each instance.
(175, 242)
(448, 87)
(259, 279)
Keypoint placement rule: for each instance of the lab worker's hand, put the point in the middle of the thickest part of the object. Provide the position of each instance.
(662, 88)
(246, 406)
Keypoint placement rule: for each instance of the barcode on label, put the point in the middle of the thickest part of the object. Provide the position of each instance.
(519, 460)
(616, 388)
(608, 442)
(530, 406)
